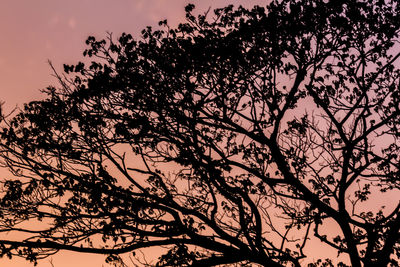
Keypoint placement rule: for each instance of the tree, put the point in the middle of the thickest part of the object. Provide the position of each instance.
(238, 137)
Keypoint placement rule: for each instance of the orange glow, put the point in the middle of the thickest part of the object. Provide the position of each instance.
(33, 32)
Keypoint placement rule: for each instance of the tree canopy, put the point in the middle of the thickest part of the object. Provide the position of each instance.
(242, 136)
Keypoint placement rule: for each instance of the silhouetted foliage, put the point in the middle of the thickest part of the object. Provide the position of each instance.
(262, 136)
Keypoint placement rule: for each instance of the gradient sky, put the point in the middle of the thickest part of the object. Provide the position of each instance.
(35, 31)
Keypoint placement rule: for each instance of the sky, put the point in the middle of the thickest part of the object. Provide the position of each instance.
(34, 32)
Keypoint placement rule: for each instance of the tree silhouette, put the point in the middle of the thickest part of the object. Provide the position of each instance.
(239, 137)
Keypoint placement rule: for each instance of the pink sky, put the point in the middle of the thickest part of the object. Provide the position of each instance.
(35, 31)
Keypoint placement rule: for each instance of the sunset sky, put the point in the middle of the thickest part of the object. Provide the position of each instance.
(35, 31)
